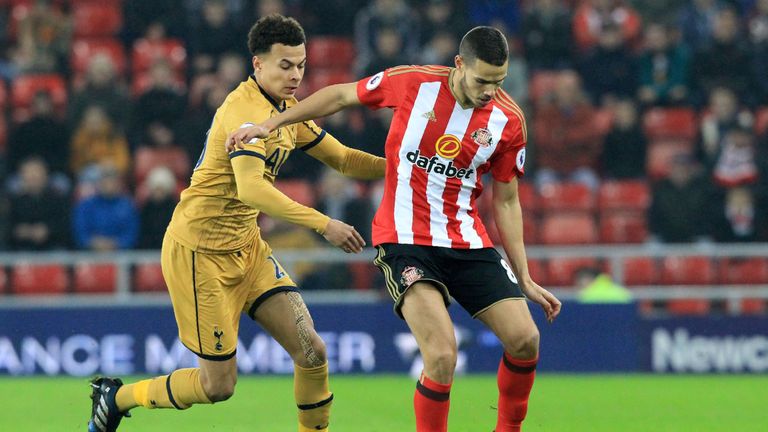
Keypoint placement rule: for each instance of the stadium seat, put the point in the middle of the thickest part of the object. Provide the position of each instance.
(148, 277)
(83, 50)
(761, 121)
(298, 190)
(538, 272)
(39, 279)
(95, 278)
(362, 274)
(661, 153)
(142, 81)
(568, 228)
(318, 79)
(624, 195)
(3, 280)
(3, 133)
(603, 121)
(753, 306)
(743, 271)
(329, 52)
(542, 85)
(640, 271)
(561, 271)
(147, 158)
(24, 88)
(623, 227)
(145, 52)
(687, 270)
(96, 18)
(527, 194)
(3, 96)
(566, 196)
(678, 123)
(688, 306)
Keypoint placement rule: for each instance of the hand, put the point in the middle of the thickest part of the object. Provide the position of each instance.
(236, 140)
(546, 299)
(344, 236)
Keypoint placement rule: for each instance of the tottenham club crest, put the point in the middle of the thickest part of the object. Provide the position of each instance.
(410, 275)
(482, 137)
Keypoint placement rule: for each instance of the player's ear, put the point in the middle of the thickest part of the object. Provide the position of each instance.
(256, 61)
(459, 61)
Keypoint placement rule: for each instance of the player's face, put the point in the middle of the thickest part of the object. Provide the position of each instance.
(281, 69)
(481, 81)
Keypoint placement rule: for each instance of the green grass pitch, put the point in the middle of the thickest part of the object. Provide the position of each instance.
(382, 403)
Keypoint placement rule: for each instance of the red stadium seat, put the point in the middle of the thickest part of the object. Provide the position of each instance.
(661, 153)
(95, 278)
(527, 194)
(561, 271)
(690, 270)
(569, 228)
(329, 52)
(603, 121)
(149, 278)
(566, 196)
(538, 272)
(624, 195)
(298, 190)
(83, 51)
(148, 158)
(143, 81)
(753, 306)
(146, 52)
(3, 280)
(761, 121)
(623, 227)
(678, 123)
(688, 306)
(3, 133)
(318, 79)
(24, 88)
(542, 85)
(640, 271)
(37, 279)
(745, 271)
(96, 18)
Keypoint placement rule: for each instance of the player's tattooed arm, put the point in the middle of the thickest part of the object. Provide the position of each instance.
(304, 326)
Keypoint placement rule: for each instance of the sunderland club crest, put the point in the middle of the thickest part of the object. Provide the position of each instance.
(410, 275)
(482, 137)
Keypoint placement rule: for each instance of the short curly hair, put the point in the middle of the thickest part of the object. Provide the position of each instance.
(273, 29)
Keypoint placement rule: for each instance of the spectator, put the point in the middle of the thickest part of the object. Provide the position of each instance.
(162, 102)
(340, 199)
(102, 87)
(38, 216)
(568, 143)
(758, 29)
(723, 114)
(516, 82)
(609, 69)
(44, 38)
(736, 163)
(697, 22)
(215, 34)
(441, 17)
(96, 141)
(680, 208)
(593, 16)
(547, 35)
(663, 69)
(726, 62)
(41, 136)
(389, 51)
(328, 18)
(504, 13)
(595, 286)
(758, 23)
(441, 49)
(385, 14)
(139, 15)
(192, 129)
(658, 11)
(108, 220)
(230, 72)
(624, 148)
(739, 218)
(157, 210)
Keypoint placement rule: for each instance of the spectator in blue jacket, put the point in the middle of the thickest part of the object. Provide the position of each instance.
(108, 220)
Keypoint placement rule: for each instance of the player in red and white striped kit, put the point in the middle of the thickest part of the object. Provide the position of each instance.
(450, 126)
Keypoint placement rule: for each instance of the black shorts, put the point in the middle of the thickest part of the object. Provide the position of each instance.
(475, 278)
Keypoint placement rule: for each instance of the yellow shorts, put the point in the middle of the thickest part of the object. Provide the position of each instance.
(210, 291)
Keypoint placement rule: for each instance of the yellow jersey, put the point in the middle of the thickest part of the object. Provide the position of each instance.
(209, 217)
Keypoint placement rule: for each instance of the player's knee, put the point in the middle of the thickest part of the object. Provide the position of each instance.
(525, 345)
(311, 355)
(441, 361)
(219, 390)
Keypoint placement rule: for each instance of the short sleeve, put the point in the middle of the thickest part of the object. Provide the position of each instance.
(509, 160)
(308, 135)
(381, 90)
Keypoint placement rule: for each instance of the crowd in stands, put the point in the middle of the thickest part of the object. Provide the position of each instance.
(105, 106)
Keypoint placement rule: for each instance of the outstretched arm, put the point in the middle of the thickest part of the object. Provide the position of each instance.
(322, 103)
(509, 221)
(348, 161)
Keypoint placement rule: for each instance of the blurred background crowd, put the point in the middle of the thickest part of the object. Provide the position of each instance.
(648, 119)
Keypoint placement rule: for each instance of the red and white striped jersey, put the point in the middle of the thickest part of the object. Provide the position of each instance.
(437, 153)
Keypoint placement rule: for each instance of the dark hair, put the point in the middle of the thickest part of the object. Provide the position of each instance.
(273, 29)
(485, 43)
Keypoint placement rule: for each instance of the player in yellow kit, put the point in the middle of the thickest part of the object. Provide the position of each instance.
(216, 264)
